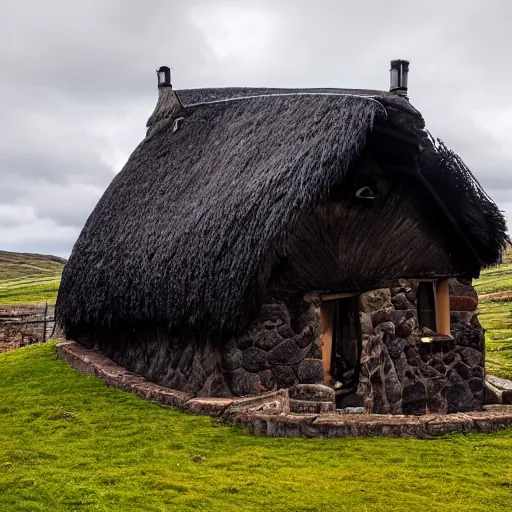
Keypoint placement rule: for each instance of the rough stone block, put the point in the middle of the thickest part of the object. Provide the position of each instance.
(310, 371)
(254, 359)
(267, 379)
(440, 425)
(387, 328)
(401, 302)
(395, 347)
(286, 353)
(308, 407)
(267, 339)
(285, 331)
(313, 392)
(274, 402)
(375, 300)
(470, 356)
(365, 320)
(232, 359)
(207, 405)
(284, 376)
(242, 383)
(414, 398)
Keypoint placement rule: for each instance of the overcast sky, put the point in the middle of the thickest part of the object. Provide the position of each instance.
(78, 83)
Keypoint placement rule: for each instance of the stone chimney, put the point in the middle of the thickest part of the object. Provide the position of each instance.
(164, 76)
(168, 105)
(399, 74)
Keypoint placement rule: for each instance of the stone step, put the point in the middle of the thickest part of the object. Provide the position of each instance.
(311, 407)
(312, 393)
(497, 390)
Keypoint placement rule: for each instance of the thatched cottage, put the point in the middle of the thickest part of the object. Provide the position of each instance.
(260, 239)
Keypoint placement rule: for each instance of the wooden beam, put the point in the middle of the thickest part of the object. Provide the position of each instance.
(443, 307)
(334, 296)
(326, 324)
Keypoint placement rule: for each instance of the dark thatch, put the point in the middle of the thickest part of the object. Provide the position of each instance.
(206, 213)
(475, 212)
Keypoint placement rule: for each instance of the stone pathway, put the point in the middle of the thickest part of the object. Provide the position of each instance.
(269, 414)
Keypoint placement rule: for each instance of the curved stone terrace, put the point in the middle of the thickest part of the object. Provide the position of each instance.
(274, 414)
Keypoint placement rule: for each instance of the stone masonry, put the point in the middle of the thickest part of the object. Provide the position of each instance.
(280, 349)
(402, 375)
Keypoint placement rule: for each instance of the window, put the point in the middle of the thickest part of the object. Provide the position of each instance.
(433, 305)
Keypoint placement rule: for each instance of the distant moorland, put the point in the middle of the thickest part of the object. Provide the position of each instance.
(29, 278)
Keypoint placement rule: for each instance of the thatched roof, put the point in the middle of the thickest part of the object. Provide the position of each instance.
(189, 232)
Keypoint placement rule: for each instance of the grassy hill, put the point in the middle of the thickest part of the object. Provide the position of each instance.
(495, 290)
(29, 278)
(14, 265)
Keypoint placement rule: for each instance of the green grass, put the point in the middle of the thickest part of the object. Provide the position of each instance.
(496, 317)
(29, 278)
(67, 442)
(29, 292)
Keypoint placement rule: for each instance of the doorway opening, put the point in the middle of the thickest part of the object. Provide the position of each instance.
(341, 347)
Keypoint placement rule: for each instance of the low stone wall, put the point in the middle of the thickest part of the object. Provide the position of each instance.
(282, 348)
(24, 325)
(269, 414)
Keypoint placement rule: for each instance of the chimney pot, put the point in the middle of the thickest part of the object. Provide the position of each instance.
(399, 74)
(164, 76)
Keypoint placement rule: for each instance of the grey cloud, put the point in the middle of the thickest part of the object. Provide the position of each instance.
(78, 84)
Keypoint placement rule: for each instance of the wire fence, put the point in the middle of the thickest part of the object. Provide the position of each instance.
(25, 325)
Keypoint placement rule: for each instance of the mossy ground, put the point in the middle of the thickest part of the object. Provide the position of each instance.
(67, 442)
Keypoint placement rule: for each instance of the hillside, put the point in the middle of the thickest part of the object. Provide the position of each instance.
(495, 291)
(14, 265)
(29, 278)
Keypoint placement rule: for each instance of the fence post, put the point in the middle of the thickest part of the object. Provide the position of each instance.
(45, 320)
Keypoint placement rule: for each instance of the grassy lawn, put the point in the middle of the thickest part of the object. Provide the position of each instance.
(67, 442)
(496, 317)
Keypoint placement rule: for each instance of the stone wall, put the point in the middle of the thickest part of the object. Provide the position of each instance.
(280, 349)
(25, 325)
(401, 374)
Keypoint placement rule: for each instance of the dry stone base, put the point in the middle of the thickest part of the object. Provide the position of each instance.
(268, 414)
(281, 348)
(400, 374)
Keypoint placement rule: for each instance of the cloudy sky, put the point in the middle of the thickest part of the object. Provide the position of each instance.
(78, 84)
